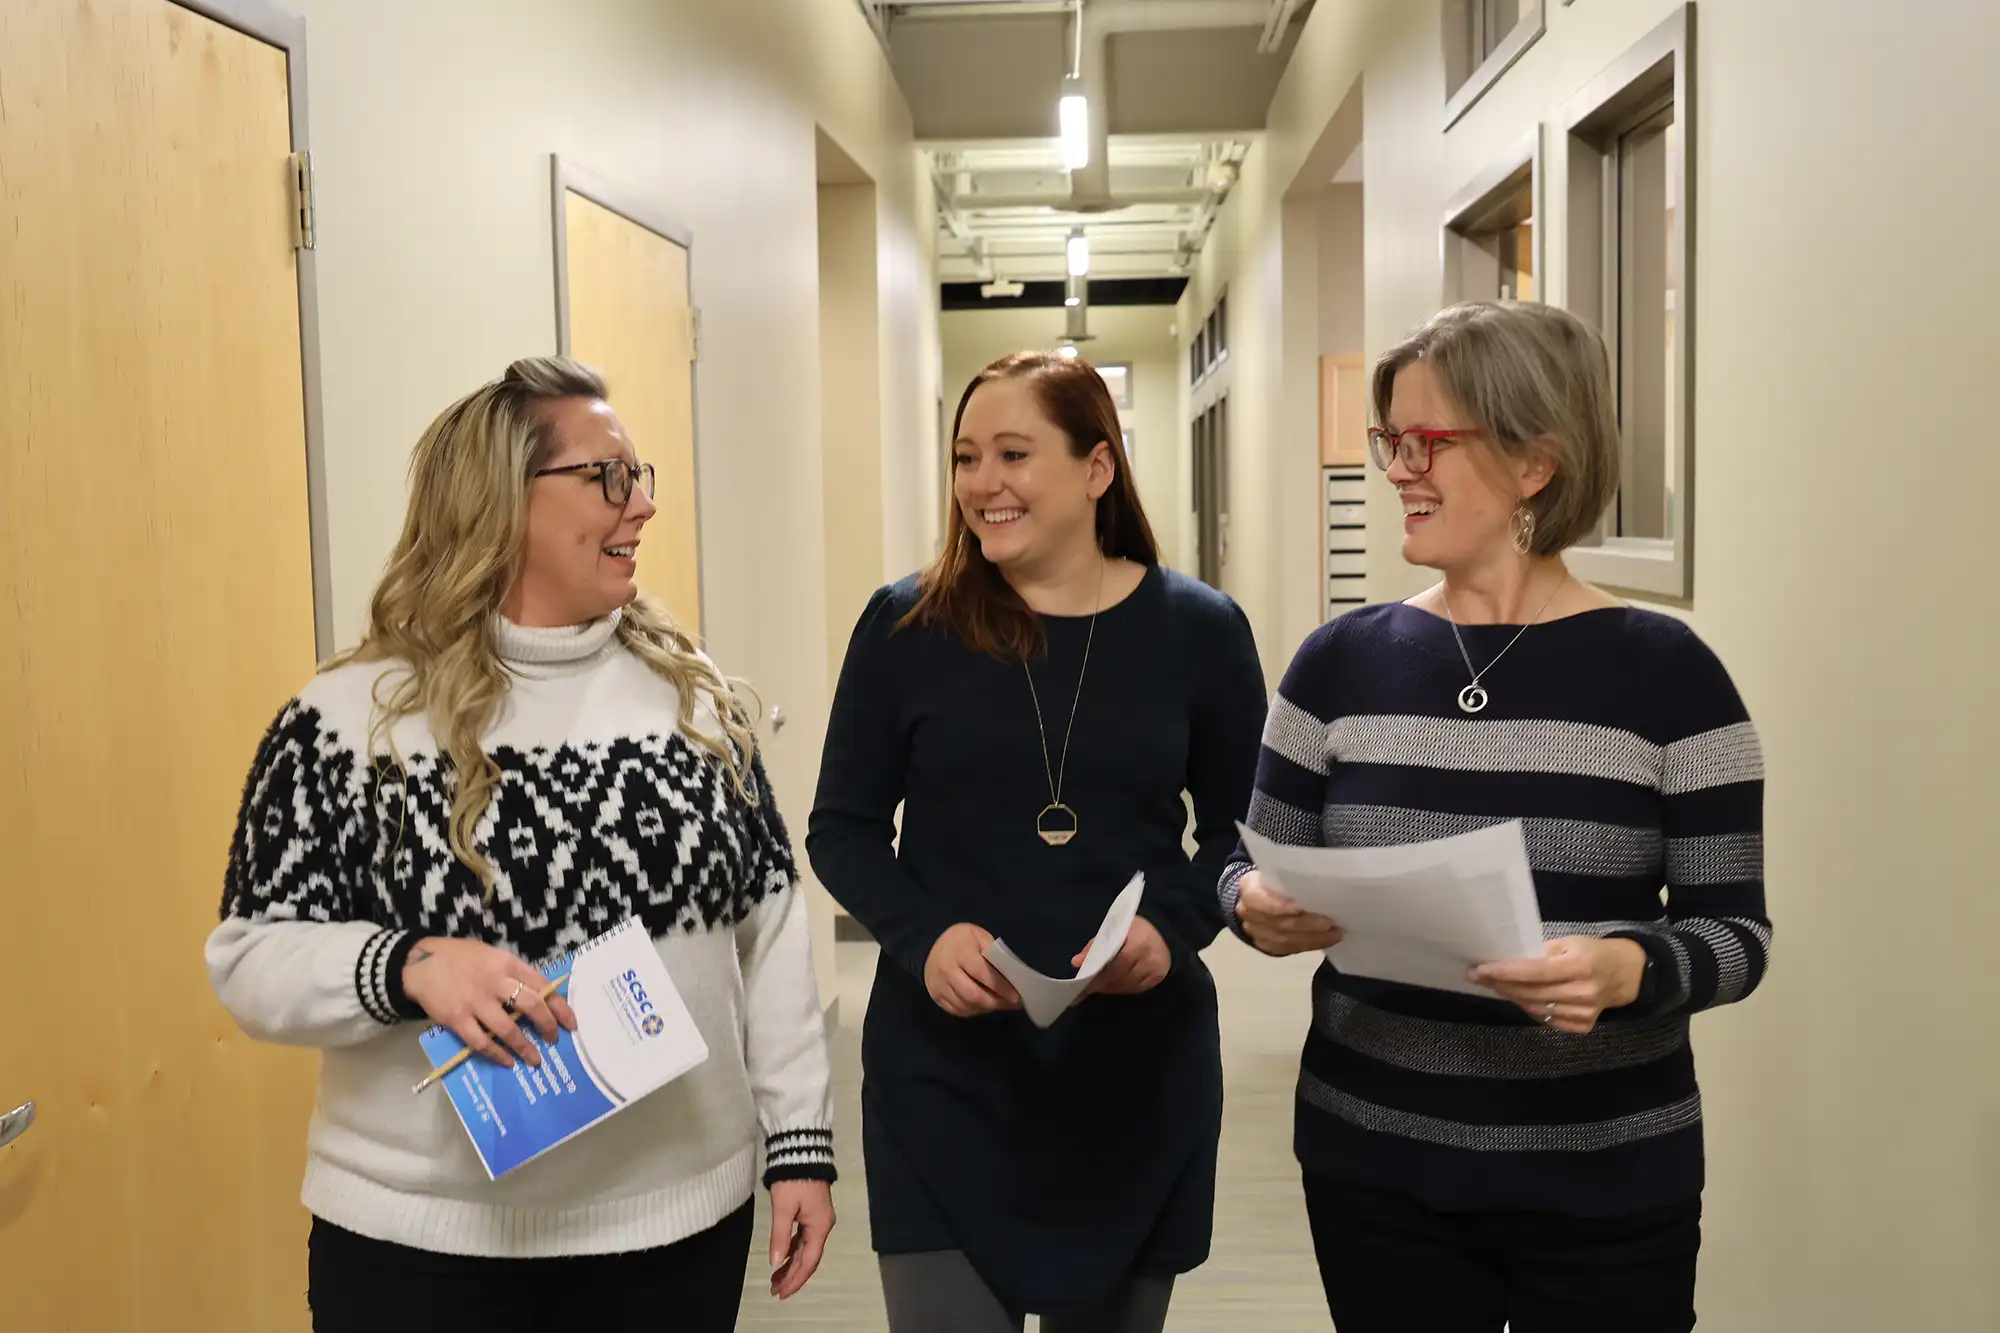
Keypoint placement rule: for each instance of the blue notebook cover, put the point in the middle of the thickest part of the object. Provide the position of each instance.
(633, 1035)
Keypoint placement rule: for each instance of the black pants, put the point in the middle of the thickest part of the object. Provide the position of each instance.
(1390, 1265)
(359, 1285)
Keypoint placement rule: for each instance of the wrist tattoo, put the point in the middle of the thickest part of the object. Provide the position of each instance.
(417, 955)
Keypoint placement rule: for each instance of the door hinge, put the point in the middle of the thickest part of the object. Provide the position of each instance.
(302, 201)
(694, 333)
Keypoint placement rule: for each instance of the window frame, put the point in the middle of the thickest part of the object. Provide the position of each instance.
(1459, 16)
(1656, 72)
(1459, 233)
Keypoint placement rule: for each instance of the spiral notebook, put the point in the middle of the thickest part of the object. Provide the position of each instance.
(633, 1035)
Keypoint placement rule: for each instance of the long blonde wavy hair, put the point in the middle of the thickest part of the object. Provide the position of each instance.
(463, 546)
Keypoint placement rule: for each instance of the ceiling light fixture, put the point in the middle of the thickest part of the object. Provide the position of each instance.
(1073, 116)
(1073, 111)
(1079, 253)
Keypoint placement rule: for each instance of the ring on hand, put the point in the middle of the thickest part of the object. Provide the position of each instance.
(515, 996)
(1550, 1016)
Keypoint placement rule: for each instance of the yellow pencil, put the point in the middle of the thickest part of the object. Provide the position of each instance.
(466, 1054)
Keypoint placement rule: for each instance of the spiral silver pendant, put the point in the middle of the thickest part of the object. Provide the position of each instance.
(1472, 698)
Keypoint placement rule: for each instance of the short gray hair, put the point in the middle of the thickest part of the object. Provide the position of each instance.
(1528, 377)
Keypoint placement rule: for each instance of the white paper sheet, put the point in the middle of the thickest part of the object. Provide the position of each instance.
(1421, 913)
(1044, 998)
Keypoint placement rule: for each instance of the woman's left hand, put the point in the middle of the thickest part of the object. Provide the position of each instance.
(1142, 963)
(1572, 984)
(801, 1218)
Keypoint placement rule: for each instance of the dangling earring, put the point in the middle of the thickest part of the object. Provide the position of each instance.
(1524, 529)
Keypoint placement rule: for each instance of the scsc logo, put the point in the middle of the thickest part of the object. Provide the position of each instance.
(651, 1024)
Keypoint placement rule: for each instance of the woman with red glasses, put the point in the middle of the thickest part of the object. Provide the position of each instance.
(1532, 1159)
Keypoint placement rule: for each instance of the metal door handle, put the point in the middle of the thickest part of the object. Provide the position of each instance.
(15, 1123)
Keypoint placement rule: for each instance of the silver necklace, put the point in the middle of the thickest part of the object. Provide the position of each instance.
(1064, 826)
(1473, 698)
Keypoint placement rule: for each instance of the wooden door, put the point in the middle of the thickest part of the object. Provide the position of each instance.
(155, 610)
(1343, 411)
(629, 316)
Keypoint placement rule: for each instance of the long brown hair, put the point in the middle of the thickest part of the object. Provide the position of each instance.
(962, 591)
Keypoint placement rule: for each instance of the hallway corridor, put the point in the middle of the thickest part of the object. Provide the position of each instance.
(1261, 1268)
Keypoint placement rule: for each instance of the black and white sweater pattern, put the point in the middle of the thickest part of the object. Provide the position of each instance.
(604, 811)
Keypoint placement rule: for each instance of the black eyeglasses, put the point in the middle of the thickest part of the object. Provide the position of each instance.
(615, 475)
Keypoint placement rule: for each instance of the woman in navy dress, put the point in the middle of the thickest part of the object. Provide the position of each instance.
(1040, 703)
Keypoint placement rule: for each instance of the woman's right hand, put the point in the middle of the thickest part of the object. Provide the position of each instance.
(960, 979)
(1277, 925)
(467, 986)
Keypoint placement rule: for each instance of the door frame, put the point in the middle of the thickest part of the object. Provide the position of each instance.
(274, 26)
(566, 177)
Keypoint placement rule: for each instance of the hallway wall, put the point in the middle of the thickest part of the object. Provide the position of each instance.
(1142, 335)
(1842, 416)
(431, 129)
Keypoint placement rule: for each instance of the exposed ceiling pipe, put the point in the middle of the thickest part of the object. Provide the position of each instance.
(1099, 20)
(1115, 16)
(1092, 24)
(956, 224)
(1274, 26)
(1225, 171)
(1126, 199)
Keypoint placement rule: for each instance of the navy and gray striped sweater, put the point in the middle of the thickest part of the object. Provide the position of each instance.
(1618, 740)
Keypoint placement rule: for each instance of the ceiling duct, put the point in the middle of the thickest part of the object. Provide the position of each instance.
(1095, 22)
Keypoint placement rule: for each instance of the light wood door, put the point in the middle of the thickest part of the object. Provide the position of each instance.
(629, 316)
(155, 610)
(1343, 411)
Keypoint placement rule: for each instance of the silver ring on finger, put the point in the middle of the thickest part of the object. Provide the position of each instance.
(1549, 1014)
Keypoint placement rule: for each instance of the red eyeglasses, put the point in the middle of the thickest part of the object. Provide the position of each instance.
(1413, 446)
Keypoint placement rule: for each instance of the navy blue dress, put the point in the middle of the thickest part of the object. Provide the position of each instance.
(1062, 1162)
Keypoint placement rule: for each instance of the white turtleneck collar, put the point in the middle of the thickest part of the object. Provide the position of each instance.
(553, 651)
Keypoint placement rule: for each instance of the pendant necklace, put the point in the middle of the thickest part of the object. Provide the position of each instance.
(1473, 698)
(1057, 823)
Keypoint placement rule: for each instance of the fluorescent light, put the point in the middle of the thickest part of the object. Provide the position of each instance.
(1073, 115)
(1079, 254)
(1067, 351)
(1074, 300)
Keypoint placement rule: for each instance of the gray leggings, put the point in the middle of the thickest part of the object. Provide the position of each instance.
(940, 1292)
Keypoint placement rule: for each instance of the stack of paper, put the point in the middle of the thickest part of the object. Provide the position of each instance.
(1422, 913)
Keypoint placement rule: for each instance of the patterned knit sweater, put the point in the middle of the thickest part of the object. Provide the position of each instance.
(1618, 740)
(605, 811)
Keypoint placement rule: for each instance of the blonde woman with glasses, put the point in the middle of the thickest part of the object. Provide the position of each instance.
(1530, 1155)
(521, 753)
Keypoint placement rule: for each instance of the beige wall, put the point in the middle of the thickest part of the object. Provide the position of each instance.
(851, 410)
(432, 126)
(1271, 489)
(1846, 579)
(1342, 274)
(1142, 335)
